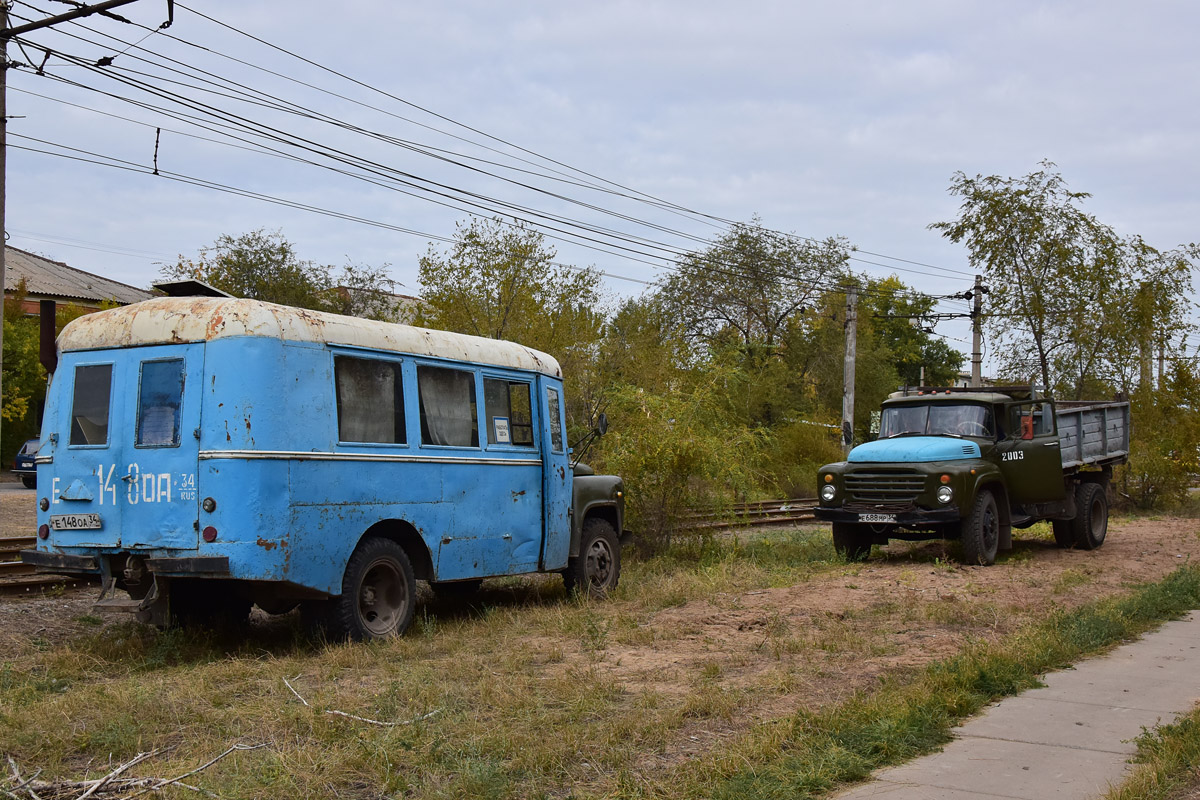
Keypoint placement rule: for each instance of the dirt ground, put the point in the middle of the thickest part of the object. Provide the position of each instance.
(774, 650)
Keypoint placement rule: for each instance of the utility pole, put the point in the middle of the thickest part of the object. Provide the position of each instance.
(7, 33)
(848, 371)
(977, 333)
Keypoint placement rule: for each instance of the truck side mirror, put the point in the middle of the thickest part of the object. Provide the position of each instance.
(602, 424)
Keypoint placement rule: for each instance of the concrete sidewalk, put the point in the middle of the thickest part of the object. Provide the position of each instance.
(1070, 739)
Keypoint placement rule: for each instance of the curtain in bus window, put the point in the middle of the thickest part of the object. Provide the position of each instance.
(160, 394)
(89, 406)
(370, 401)
(447, 407)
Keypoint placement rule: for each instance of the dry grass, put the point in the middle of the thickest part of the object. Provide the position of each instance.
(696, 663)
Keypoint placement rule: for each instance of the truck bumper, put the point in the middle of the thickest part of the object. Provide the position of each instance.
(909, 518)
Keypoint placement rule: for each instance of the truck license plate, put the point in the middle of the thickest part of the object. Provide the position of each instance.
(75, 522)
(876, 517)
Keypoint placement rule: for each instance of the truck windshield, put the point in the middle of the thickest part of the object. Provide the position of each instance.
(966, 419)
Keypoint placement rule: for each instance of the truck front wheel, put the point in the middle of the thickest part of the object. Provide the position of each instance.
(1091, 516)
(852, 542)
(981, 530)
(597, 568)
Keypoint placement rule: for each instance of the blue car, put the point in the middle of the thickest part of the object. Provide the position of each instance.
(23, 464)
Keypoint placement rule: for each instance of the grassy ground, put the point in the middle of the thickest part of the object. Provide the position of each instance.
(759, 667)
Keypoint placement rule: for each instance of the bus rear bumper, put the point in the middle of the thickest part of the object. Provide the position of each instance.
(69, 563)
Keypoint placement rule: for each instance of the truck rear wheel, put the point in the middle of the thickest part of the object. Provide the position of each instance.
(597, 568)
(852, 542)
(981, 530)
(1091, 516)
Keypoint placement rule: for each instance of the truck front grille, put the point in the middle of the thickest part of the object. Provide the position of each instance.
(885, 486)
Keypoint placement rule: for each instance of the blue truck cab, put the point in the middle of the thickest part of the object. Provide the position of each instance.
(201, 455)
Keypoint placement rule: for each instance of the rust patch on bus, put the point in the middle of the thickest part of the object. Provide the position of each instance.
(265, 544)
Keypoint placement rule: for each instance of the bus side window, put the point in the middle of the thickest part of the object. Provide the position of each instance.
(160, 395)
(447, 400)
(556, 437)
(370, 401)
(508, 413)
(89, 407)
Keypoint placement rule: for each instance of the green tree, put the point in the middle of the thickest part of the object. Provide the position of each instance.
(749, 284)
(260, 266)
(500, 280)
(1062, 283)
(893, 308)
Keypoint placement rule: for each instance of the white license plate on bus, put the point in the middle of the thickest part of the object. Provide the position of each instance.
(876, 517)
(75, 522)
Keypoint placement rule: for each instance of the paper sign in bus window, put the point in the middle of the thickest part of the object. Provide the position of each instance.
(500, 428)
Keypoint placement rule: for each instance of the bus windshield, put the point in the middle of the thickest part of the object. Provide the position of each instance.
(965, 419)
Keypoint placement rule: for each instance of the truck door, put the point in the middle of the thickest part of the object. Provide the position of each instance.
(1030, 457)
(557, 491)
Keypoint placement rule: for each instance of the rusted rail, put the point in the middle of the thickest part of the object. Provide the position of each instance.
(762, 513)
(19, 578)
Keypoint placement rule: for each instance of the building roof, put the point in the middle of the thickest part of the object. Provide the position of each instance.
(174, 320)
(46, 278)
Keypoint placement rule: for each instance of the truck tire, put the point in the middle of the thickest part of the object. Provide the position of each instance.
(378, 594)
(597, 568)
(981, 530)
(851, 542)
(1091, 516)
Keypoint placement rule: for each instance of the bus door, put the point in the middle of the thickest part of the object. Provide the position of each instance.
(155, 477)
(124, 471)
(557, 479)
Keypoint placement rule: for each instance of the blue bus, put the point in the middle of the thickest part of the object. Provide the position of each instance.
(204, 455)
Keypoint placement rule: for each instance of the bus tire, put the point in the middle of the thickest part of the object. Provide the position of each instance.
(378, 593)
(597, 568)
(1091, 516)
(851, 541)
(981, 530)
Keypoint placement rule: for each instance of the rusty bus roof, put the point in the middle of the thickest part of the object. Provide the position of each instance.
(170, 320)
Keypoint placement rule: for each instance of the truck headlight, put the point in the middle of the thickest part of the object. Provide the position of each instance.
(827, 492)
(945, 494)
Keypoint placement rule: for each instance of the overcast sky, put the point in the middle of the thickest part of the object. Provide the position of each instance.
(824, 119)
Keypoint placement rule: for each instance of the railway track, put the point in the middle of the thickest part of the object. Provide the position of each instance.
(762, 513)
(19, 578)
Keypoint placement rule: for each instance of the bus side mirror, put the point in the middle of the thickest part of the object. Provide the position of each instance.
(602, 424)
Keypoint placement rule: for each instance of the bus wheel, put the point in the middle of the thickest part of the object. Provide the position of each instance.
(1091, 516)
(981, 530)
(851, 541)
(378, 593)
(597, 568)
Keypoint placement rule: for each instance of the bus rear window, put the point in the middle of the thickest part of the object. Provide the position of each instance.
(447, 407)
(509, 418)
(89, 407)
(160, 393)
(370, 401)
